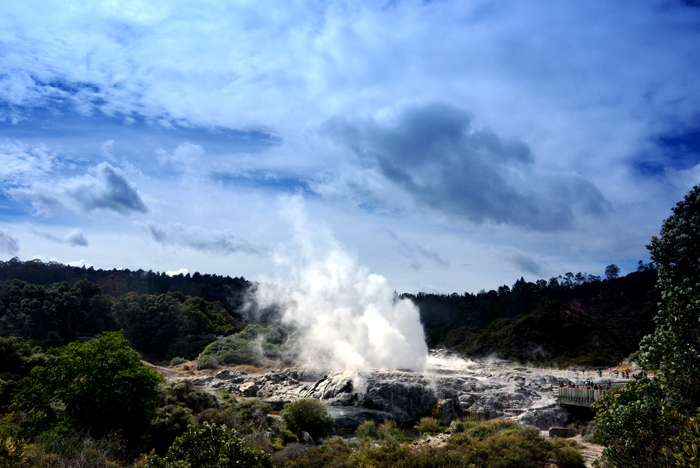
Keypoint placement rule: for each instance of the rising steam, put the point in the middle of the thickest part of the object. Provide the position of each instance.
(346, 317)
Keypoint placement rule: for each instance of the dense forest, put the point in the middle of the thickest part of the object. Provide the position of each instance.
(573, 319)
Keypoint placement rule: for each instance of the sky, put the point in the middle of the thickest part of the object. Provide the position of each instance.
(445, 146)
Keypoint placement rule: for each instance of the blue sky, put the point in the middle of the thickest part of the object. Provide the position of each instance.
(446, 145)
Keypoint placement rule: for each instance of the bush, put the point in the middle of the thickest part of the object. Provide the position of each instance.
(457, 426)
(388, 430)
(209, 446)
(184, 393)
(428, 426)
(177, 360)
(367, 429)
(307, 415)
(207, 362)
(12, 454)
(566, 453)
(255, 345)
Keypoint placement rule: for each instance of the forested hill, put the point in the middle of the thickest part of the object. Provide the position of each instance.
(568, 320)
(577, 319)
(224, 289)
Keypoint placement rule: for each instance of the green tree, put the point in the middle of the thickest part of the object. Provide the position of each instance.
(612, 271)
(673, 347)
(96, 387)
(209, 446)
(639, 424)
(307, 415)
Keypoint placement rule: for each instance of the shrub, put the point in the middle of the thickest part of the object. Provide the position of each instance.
(367, 429)
(184, 393)
(307, 415)
(388, 430)
(168, 423)
(12, 454)
(254, 345)
(428, 426)
(209, 446)
(207, 362)
(177, 360)
(457, 426)
(77, 451)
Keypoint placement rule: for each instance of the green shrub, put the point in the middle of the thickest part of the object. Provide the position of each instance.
(255, 345)
(307, 415)
(457, 426)
(461, 438)
(387, 453)
(388, 430)
(209, 446)
(207, 362)
(177, 360)
(184, 393)
(367, 429)
(428, 426)
(168, 423)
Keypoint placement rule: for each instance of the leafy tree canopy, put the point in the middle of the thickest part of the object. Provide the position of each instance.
(645, 423)
(96, 387)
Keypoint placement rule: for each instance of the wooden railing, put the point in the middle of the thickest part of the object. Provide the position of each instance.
(578, 396)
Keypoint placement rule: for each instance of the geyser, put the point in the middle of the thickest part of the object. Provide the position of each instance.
(346, 317)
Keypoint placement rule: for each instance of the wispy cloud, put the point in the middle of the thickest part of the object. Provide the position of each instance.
(75, 238)
(8, 244)
(414, 253)
(197, 238)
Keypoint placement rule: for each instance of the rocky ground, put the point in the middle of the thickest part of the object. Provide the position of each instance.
(449, 388)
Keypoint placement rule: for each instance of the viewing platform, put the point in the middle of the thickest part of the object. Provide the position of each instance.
(578, 396)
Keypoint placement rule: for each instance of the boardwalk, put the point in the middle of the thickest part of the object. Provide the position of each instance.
(578, 396)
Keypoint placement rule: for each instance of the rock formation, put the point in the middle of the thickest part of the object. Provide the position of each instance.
(445, 391)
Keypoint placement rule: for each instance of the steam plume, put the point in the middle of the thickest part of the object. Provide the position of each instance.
(347, 318)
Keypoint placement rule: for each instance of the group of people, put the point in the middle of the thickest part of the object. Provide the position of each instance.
(625, 373)
(587, 385)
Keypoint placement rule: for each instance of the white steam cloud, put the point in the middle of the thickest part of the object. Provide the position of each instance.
(348, 319)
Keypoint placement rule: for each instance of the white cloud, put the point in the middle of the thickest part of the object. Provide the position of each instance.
(74, 238)
(553, 105)
(20, 162)
(8, 244)
(181, 271)
(197, 238)
(105, 187)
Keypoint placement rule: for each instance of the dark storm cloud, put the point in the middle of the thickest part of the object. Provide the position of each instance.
(435, 155)
(204, 240)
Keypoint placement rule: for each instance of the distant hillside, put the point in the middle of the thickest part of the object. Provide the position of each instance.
(575, 319)
(224, 289)
(578, 320)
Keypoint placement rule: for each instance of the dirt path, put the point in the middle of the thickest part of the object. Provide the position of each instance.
(590, 451)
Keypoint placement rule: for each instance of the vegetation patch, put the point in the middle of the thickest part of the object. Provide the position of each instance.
(255, 345)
